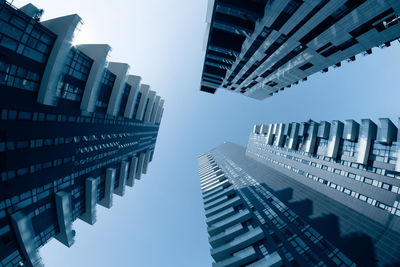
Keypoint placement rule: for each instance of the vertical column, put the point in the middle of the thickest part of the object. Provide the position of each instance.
(25, 235)
(286, 134)
(159, 111)
(323, 130)
(64, 27)
(146, 161)
(109, 189)
(134, 82)
(322, 137)
(387, 133)
(64, 218)
(139, 168)
(132, 172)
(120, 190)
(279, 135)
(294, 134)
(256, 129)
(335, 135)
(160, 117)
(120, 70)
(264, 129)
(155, 109)
(270, 136)
(149, 106)
(367, 134)
(351, 130)
(312, 138)
(144, 89)
(90, 201)
(99, 53)
(397, 167)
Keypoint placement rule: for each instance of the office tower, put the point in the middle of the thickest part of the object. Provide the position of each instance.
(341, 178)
(258, 47)
(74, 130)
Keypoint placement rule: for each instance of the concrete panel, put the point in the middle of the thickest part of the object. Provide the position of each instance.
(134, 82)
(99, 53)
(109, 189)
(132, 172)
(120, 70)
(90, 201)
(149, 106)
(25, 235)
(336, 132)
(123, 174)
(65, 28)
(144, 89)
(64, 218)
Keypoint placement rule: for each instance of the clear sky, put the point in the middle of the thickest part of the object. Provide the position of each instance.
(160, 221)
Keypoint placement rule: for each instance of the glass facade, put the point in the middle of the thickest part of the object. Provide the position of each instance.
(106, 86)
(74, 76)
(287, 239)
(24, 35)
(355, 166)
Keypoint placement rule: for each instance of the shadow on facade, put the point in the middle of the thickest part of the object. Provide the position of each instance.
(358, 246)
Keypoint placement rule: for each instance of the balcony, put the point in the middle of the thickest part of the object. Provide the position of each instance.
(213, 180)
(239, 217)
(220, 216)
(233, 202)
(271, 260)
(228, 234)
(227, 192)
(240, 242)
(224, 183)
(216, 202)
(240, 258)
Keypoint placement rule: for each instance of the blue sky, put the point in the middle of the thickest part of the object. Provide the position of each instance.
(160, 221)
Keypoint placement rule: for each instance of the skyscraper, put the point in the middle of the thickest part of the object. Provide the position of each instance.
(248, 224)
(259, 47)
(340, 178)
(74, 130)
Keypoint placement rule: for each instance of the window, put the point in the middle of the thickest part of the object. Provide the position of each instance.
(25, 115)
(368, 180)
(387, 186)
(362, 197)
(351, 175)
(12, 114)
(22, 144)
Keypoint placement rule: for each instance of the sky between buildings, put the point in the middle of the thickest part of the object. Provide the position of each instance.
(160, 221)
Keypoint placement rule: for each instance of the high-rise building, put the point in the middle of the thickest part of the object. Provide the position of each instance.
(258, 47)
(74, 130)
(341, 179)
(248, 224)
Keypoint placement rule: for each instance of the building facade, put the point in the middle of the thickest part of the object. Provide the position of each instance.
(302, 192)
(75, 129)
(353, 164)
(259, 47)
(248, 224)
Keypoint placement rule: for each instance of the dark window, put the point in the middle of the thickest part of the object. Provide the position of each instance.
(306, 66)
(137, 104)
